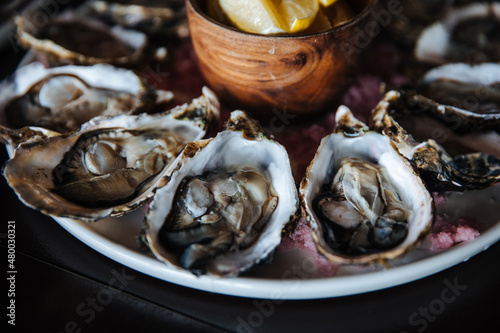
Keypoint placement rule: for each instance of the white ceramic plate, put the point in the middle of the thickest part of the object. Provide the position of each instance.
(116, 239)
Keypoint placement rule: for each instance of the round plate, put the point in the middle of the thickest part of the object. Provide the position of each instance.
(290, 276)
(116, 239)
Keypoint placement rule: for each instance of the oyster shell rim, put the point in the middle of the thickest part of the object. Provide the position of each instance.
(429, 50)
(29, 75)
(57, 52)
(465, 73)
(156, 214)
(435, 164)
(174, 117)
(316, 228)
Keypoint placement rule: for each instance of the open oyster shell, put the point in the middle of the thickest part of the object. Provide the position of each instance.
(362, 199)
(150, 16)
(76, 38)
(464, 34)
(468, 95)
(405, 26)
(62, 98)
(110, 166)
(226, 202)
(447, 159)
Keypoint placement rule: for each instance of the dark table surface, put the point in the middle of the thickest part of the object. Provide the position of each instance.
(62, 285)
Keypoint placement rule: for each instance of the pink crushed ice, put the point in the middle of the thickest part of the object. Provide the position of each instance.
(301, 238)
(447, 233)
(439, 199)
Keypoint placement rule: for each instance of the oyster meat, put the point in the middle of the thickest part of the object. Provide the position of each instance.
(464, 34)
(76, 38)
(469, 95)
(362, 199)
(226, 203)
(110, 166)
(150, 16)
(62, 98)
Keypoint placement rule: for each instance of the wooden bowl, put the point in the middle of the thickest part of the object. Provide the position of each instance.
(300, 74)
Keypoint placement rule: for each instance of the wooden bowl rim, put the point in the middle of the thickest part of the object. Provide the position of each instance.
(193, 5)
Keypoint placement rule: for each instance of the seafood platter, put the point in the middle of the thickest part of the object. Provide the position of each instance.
(114, 132)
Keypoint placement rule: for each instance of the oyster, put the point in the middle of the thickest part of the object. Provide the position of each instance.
(364, 202)
(111, 165)
(63, 98)
(447, 160)
(226, 202)
(469, 95)
(151, 16)
(405, 26)
(464, 34)
(76, 38)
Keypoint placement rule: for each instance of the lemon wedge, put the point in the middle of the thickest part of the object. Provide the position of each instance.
(271, 16)
(293, 15)
(251, 16)
(327, 3)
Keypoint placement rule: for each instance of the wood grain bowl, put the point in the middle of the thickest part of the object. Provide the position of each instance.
(301, 74)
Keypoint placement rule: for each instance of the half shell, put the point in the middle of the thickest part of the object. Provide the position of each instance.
(62, 98)
(468, 95)
(405, 26)
(75, 38)
(447, 160)
(464, 34)
(362, 199)
(152, 17)
(226, 203)
(110, 166)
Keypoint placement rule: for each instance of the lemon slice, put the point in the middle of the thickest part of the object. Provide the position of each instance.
(327, 3)
(271, 16)
(293, 15)
(251, 16)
